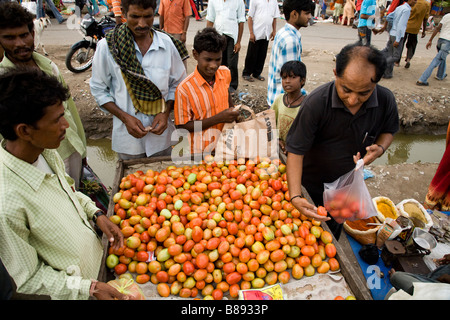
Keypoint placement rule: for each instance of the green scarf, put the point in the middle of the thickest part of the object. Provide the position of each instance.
(145, 95)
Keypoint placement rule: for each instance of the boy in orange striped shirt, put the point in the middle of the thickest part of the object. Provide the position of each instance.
(202, 101)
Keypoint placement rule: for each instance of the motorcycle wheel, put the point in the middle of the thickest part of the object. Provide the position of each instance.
(80, 59)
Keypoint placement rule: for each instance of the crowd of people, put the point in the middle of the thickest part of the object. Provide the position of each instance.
(139, 76)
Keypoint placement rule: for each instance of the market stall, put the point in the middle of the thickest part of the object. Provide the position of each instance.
(329, 274)
(404, 237)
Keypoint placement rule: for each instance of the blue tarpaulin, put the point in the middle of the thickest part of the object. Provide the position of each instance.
(378, 286)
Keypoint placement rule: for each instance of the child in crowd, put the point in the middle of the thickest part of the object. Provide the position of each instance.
(287, 104)
(202, 102)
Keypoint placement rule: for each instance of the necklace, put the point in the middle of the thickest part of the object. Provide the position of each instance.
(290, 103)
(211, 83)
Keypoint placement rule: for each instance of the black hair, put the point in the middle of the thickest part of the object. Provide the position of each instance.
(26, 92)
(370, 53)
(208, 39)
(298, 5)
(13, 15)
(294, 67)
(142, 3)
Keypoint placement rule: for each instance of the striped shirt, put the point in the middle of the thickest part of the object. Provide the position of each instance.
(117, 9)
(287, 46)
(47, 243)
(195, 99)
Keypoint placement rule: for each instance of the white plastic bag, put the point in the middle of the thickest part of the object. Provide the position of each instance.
(348, 198)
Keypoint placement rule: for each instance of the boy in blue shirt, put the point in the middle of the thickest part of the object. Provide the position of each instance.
(366, 23)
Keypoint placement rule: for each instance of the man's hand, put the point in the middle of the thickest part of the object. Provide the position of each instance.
(252, 37)
(282, 145)
(183, 37)
(134, 127)
(112, 231)
(104, 291)
(272, 35)
(444, 260)
(395, 44)
(308, 209)
(378, 31)
(445, 278)
(237, 48)
(373, 152)
(228, 115)
(159, 124)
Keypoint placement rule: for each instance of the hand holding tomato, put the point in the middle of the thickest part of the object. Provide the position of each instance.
(112, 231)
(308, 209)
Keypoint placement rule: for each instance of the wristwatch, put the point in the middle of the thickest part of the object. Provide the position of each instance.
(97, 214)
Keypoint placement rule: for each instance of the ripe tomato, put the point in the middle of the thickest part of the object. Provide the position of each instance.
(120, 268)
(142, 278)
(142, 256)
(188, 268)
(233, 278)
(308, 251)
(310, 239)
(321, 211)
(163, 289)
(334, 264)
(202, 260)
(217, 294)
(330, 250)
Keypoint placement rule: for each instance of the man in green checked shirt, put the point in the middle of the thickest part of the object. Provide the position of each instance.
(17, 38)
(48, 245)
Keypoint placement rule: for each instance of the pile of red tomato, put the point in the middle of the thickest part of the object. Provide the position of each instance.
(216, 228)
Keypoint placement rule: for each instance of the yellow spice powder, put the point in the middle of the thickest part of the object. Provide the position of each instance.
(386, 210)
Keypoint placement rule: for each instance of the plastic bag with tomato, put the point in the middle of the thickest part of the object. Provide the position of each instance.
(128, 287)
(348, 198)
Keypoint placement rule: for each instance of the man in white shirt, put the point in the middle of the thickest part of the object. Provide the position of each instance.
(135, 72)
(228, 18)
(398, 19)
(262, 25)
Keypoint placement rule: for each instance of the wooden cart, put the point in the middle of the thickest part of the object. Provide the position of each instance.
(349, 267)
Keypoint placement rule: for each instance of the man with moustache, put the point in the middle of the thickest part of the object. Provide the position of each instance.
(135, 72)
(48, 245)
(17, 39)
(338, 123)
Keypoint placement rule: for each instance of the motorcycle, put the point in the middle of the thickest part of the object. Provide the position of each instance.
(80, 56)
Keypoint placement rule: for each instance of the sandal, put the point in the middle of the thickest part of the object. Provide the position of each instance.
(260, 78)
(422, 83)
(248, 78)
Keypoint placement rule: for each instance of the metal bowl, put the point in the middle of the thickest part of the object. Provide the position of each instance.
(423, 239)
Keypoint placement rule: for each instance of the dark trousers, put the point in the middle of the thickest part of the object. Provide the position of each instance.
(230, 59)
(255, 58)
(392, 54)
(199, 4)
(364, 35)
(411, 44)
